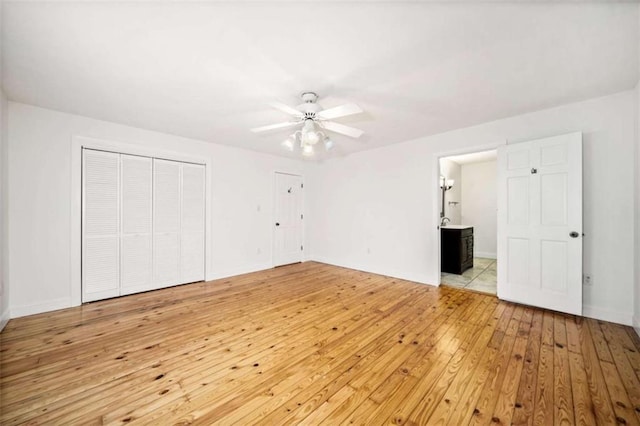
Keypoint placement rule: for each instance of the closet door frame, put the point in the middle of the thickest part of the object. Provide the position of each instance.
(78, 143)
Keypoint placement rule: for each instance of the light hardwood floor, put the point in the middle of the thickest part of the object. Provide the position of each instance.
(311, 343)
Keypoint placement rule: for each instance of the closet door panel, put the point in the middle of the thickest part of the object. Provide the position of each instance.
(143, 224)
(136, 275)
(166, 223)
(166, 195)
(192, 223)
(100, 225)
(166, 248)
(137, 181)
(192, 257)
(192, 198)
(101, 268)
(135, 243)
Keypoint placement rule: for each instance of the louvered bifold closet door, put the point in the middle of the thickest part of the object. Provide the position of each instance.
(192, 223)
(135, 241)
(166, 223)
(100, 225)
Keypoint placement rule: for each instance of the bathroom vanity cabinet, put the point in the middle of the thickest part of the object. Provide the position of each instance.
(456, 248)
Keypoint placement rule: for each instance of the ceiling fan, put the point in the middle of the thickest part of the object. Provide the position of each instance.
(314, 120)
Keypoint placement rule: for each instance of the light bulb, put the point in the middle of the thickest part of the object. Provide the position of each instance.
(288, 144)
(328, 143)
(311, 138)
(309, 134)
(307, 150)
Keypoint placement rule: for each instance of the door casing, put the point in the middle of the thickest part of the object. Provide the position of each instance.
(297, 184)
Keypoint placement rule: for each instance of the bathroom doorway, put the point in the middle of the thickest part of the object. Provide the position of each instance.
(468, 221)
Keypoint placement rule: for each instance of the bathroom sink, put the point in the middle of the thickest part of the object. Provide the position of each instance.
(457, 226)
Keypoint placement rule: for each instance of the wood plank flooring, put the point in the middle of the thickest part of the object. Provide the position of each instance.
(312, 343)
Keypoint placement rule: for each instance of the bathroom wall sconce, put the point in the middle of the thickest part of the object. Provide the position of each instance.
(445, 185)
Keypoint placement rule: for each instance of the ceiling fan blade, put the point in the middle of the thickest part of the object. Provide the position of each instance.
(286, 108)
(341, 128)
(275, 126)
(339, 111)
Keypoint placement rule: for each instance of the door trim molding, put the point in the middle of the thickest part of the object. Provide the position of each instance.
(435, 176)
(274, 196)
(78, 142)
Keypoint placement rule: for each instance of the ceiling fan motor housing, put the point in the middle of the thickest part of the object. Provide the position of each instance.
(309, 97)
(309, 108)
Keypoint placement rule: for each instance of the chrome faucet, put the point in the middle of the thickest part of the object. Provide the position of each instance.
(444, 221)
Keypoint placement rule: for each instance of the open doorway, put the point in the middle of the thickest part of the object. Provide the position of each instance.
(468, 219)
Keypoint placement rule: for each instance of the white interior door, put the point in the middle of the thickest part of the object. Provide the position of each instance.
(192, 223)
(136, 239)
(100, 225)
(166, 223)
(540, 223)
(288, 219)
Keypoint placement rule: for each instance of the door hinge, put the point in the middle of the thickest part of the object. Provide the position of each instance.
(301, 247)
(302, 185)
(301, 216)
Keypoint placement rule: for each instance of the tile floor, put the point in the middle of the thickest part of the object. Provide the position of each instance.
(482, 277)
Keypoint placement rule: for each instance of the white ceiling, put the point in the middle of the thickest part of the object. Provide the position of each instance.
(208, 70)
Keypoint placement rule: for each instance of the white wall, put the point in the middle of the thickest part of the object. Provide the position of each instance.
(479, 206)
(4, 291)
(40, 143)
(452, 170)
(378, 210)
(636, 319)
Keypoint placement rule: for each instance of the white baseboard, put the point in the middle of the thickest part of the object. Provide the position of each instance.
(4, 318)
(40, 307)
(485, 255)
(380, 271)
(636, 325)
(606, 315)
(62, 303)
(239, 270)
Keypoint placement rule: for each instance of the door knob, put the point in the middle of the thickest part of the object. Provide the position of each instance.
(277, 223)
(574, 234)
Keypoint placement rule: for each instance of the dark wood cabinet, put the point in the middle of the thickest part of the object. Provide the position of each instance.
(456, 249)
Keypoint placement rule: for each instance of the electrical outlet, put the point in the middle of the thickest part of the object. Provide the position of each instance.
(587, 279)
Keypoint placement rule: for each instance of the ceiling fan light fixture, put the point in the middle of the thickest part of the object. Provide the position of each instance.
(307, 150)
(311, 138)
(309, 134)
(328, 143)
